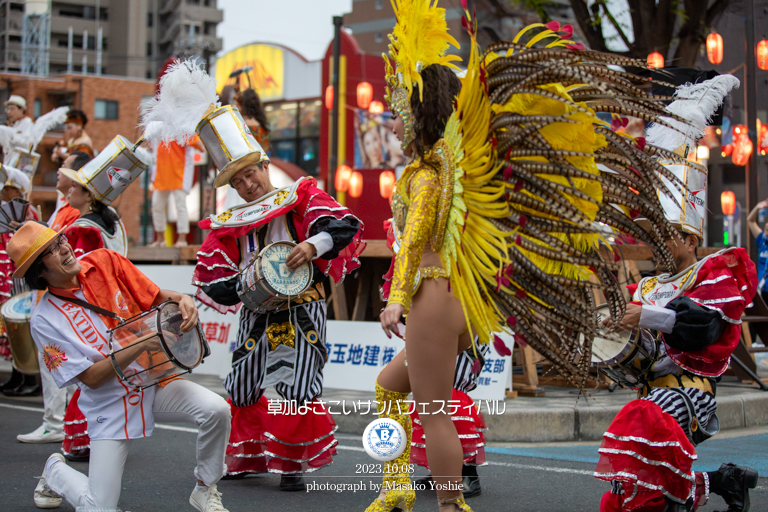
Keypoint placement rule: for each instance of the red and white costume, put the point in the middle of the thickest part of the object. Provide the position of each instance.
(649, 448)
(290, 441)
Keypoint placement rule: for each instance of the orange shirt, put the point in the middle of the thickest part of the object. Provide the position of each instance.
(65, 217)
(109, 280)
(174, 166)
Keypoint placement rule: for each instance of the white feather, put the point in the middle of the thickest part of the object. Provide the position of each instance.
(697, 103)
(7, 135)
(45, 123)
(186, 93)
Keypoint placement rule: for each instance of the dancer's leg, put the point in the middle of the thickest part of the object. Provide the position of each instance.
(433, 339)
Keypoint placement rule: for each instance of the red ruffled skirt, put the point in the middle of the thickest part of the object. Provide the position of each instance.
(76, 441)
(283, 443)
(646, 450)
(5, 348)
(469, 424)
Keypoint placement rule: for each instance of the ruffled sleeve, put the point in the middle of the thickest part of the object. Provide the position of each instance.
(424, 194)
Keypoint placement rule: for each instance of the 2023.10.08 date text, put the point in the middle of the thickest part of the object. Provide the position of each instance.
(383, 468)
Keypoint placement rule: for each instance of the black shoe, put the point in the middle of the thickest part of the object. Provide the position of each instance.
(672, 506)
(15, 381)
(733, 483)
(24, 390)
(470, 481)
(79, 456)
(425, 480)
(291, 483)
(236, 476)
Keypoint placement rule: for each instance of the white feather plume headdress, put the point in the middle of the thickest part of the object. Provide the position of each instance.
(186, 94)
(45, 123)
(7, 135)
(697, 103)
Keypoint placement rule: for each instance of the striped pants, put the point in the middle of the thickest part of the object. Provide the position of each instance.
(301, 370)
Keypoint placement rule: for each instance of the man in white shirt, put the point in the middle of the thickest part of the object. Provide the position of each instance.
(84, 299)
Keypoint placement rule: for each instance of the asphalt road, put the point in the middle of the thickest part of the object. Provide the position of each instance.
(158, 476)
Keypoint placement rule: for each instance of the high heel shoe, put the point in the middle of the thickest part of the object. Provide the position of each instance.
(444, 504)
(397, 489)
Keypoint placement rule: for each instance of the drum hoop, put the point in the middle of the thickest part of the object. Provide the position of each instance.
(257, 257)
(164, 344)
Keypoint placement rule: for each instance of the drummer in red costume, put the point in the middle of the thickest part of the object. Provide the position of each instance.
(694, 320)
(284, 348)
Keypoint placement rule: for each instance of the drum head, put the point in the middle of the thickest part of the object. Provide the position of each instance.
(185, 348)
(18, 308)
(608, 345)
(284, 280)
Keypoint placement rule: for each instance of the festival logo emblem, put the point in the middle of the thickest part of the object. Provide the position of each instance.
(277, 273)
(120, 301)
(119, 178)
(53, 357)
(384, 439)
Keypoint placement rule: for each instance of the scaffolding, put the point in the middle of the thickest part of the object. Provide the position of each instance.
(36, 37)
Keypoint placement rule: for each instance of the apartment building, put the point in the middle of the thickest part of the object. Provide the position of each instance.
(137, 35)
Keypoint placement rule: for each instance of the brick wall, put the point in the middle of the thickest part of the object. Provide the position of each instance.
(81, 92)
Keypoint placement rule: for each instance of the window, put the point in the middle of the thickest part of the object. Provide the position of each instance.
(379, 37)
(149, 49)
(37, 109)
(149, 19)
(379, 4)
(193, 2)
(105, 109)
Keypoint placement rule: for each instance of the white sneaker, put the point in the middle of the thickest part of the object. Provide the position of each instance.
(44, 496)
(40, 435)
(207, 499)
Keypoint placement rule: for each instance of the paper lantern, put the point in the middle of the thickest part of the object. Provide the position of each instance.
(742, 149)
(376, 107)
(329, 97)
(728, 202)
(356, 184)
(386, 184)
(762, 54)
(343, 175)
(702, 153)
(655, 60)
(715, 48)
(364, 94)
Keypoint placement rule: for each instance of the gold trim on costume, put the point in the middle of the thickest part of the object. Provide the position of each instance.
(281, 334)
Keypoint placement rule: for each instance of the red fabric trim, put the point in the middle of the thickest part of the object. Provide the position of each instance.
(84, 239)
(247, 444)
(76, 440)
(738, 279)
(643, 429)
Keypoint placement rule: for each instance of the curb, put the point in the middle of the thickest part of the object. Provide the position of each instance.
(584, 423)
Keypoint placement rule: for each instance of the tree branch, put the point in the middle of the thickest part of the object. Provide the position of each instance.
(715, 10)
(591, 27)
(614, 23)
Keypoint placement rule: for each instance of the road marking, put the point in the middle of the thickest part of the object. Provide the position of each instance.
(22, 407)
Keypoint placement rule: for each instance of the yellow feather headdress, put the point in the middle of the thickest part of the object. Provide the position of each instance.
(419, 39)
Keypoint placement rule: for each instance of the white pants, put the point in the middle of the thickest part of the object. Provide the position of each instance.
(159, 210)
(181, 400)
(54, 400)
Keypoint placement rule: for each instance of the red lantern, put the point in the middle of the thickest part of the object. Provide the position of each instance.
(762, 55)
(715, 48)
(655, 60)
(329, 97)
(386, 184)
(742, 150)
(728, 202)
(343, 174)
(364, 94)
(376, 107)
(356, 184)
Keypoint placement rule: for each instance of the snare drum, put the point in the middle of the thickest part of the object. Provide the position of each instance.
(16, 313)
(613, 353)
(266, 283)
(180, 352)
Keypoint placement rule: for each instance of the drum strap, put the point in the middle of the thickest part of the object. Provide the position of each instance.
(87, 305)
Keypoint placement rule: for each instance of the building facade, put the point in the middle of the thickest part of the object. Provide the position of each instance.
(137, 35)
(112, 106)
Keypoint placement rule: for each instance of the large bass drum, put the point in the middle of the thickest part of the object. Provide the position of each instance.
(16, 313)
(179, 352)
(267, 284)
(615, 352)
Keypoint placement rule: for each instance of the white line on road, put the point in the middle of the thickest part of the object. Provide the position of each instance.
(343, 447)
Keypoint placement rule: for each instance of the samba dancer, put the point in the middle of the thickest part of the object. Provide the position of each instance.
(58, 418)
(284, 348)
(68, 314)
(693, 318)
